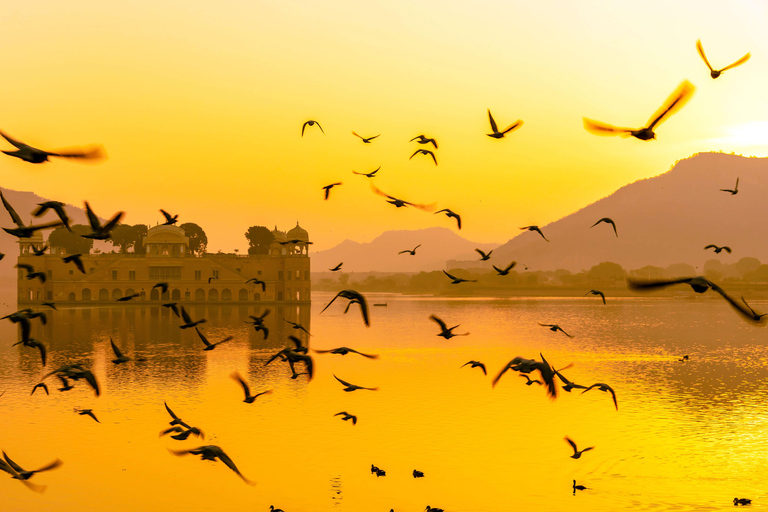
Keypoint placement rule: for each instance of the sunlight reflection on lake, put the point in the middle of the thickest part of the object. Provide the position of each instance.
(687, 435)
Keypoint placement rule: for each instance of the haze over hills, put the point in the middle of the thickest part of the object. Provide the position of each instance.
(661, 220)
(439, 244)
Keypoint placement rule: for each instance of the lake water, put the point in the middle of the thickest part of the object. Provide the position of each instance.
(687, 435)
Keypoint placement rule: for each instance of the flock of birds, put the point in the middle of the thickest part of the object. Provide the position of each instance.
(297, 352)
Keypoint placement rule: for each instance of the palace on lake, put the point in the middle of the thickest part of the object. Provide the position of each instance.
(166, 257)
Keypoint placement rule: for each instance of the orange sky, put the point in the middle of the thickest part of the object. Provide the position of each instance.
(199, 106)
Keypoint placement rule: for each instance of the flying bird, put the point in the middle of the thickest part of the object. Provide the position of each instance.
(714, 73)
(412, 252)
(451, 213)
(457, 280)
(74, 372)
(399, 203)
(173, 307)
(75, 258)
(50, 305)
(475, 364)
(38, 156)
(40, 385)
(33, 343)
(529, 381)
(578, 487)
(22, 230)
(213, 452)
(249, 398)
(163, 287)
(99, 232)
(310, 123)
(188, 320)
(258, 282)
(496, 133)
(87, 412)
(718, 249)
(555, 328)
(212, 278)
(483, 255)
(596, 293)
(208, 344)
(129, 297)
(39, 251)
(607, 220)
(699, 284)
(425, 152)
(371, 174)
(178, 421)
(23, 474)
(31, 274)
(119, 357)
(347, 416)
(536, 229)
(169, 220)
(522, 365)
(607, 389)
(352, 387)
(352, 295)
(735, 189)
(328, 188)
(576, 452)
(676, 100)
(504, 271)
(337, 267)
(445, 331)
(342, 351)
(297, 326)
(422, 139)
(57, 207)
(366, 140)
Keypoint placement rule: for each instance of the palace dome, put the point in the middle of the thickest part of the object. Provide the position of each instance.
(298, 233)
(279, 235)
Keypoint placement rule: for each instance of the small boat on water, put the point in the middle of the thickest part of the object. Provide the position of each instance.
(383, 304)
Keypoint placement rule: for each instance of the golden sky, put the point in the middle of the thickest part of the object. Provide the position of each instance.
(200, 105)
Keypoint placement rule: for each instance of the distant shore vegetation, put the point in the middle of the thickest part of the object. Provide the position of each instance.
(747, 274)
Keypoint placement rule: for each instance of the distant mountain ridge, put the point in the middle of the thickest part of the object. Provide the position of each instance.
(662, 220)
(438, 245)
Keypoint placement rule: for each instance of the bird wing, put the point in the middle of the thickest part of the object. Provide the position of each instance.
(503, 370)
(356, 135)
(737, 63)
(13, 465)
(517, 124)
(116, 350)
(14, 216)
(727, 249)
(112, 222)
(185, 316)
(91, 152)
(700, 49)
(203, 338)
(676, 100)
(449, 275)
(344, 382)
(598, 128)
(573, 445)
(331, 302)
(510, 266)
(242, 382)
(747, 313)
(482, 367)
(493, 123)
(430, 153)
(223, 457)
(439, 322)
(167, 215)
(91, 380)
(636, 284)
(296, 341)
(369, 356)
(92, 219)
(304, 126)
(16, 143)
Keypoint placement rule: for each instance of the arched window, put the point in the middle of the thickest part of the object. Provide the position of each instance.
(130, 291)
(213, 294)
(200, 295)
(256, 296)
(176, 294)
(86, 294)
(226, 294)
(154, 294)
(242, 294)
(116, 293)
(103, 294)
(72, 297)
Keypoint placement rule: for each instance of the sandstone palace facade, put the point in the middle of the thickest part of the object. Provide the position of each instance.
(210, 278)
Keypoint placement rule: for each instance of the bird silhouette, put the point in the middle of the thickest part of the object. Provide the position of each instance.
(718, 249)
(423, 139)
(65, 386)
(735, 189)
(596, 293)
(371, 174)
(445, 331)
(347, 416)
(76, 259)
(352, 295)
(576, 452)
(249, 398)
(399, 203)
(297, 326)
(87, 412)
(23, 474)
(213, 452)
(38, 156)
(40, 385)
(757, 316)
(22, 230)
(310, 123)
(173, 307)
(344, 351)
(536, 229)
(529, 381)
(675, 101)
(352, 387)
(412, 252)
(475, 364)
(99, 232)
(458, 280)
(496, 133)
(169, 220)
(607, 220)
(337, 267)
(418, 474)
(39, 251)
(119, 357)
(163, 287)
(178, 421)
(129, 297)
(57, 207)
(607, 389)
(433, 509)
(483, 255)
(504, 271)
(212, 278)
(578, 487)
(31, 274)
(714, 73)
(208, 344)
(523, 365)
(425, 152)
(555, 328)
(258, 282)
(33, 343)
(328, 188)
(366, 140)
(188, 320)
(741, 501)
(451, 213)
(50, 305)
(75, 372)
(699, 284)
